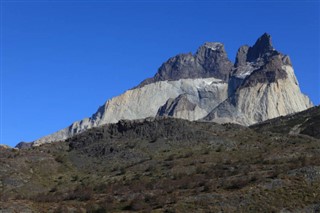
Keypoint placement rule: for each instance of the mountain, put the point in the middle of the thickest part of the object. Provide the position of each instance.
(165, 164)
(262, 86)
(207, 86)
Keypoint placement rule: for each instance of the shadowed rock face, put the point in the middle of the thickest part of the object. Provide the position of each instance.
(267, 73)
(262, 48)
(179, 104)
(260, 63)
(211, 60)
(241, 57)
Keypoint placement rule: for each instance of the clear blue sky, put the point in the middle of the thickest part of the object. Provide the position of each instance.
(61, 60)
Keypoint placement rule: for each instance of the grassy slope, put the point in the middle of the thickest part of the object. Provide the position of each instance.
(165, 165)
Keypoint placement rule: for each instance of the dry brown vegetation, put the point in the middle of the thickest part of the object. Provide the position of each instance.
(165, 165)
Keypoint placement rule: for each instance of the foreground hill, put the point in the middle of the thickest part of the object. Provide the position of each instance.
(306, 122)
(168, 165)
(207, 86)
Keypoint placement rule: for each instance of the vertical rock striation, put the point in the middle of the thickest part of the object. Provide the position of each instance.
(261, 86)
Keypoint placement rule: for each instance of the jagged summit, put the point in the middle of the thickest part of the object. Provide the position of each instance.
(207, 86)
(262, 47)
(261, 62)
(210, 60)
(214, 60)
(262, 86)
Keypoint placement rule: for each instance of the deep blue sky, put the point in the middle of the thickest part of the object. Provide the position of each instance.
(61, 60)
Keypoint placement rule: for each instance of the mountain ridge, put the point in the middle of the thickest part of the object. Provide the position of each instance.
(259, 86)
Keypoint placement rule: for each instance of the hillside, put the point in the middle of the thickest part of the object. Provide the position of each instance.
(306, 122)
(169, 165)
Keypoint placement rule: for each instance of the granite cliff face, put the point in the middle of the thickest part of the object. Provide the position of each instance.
(207, 86)
(204, 93)
(261, 86)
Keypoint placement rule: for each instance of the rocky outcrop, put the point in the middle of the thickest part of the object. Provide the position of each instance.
(23, 145)
(207, 86)
(176, 106)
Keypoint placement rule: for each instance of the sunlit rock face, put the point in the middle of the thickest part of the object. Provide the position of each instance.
(204, 94)
(261, 86)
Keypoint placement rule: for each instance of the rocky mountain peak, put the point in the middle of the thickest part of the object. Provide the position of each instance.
(213, 46)
(264, 41)
(241, 57)
(210, 60)
(258, 63)
(211, 52)
(263, 47)
(260, 51)
(214, 60)
(206, 85)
